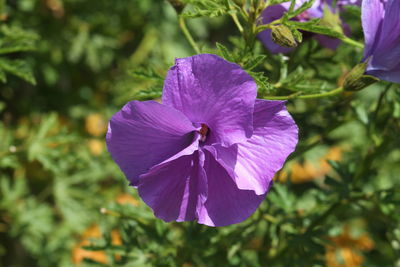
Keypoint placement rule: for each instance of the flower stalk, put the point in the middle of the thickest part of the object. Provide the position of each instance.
(298, 95)
(186, 32)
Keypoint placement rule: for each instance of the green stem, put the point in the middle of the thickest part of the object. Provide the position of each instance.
(352, 42)
(182, 25)
(299, 96)
(237, 22)
(260, 28)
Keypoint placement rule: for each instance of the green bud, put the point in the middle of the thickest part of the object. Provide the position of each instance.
(356, 80)
(283, 36)
(178, 5)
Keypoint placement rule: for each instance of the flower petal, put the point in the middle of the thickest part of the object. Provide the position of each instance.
(254, 163)
(210, 90)
(328, 42)
(225, 204)
(175, 190)
(387, 53)
(372, 17)
(143, 134)
(387, 75)
(270, 14)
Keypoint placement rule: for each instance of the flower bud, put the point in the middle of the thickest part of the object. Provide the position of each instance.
(283, 36)
(178, 5)
(356, 80)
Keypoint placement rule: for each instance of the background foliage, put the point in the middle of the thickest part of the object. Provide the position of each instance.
(67, 65)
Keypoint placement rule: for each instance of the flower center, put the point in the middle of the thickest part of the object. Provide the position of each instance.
(203, 132)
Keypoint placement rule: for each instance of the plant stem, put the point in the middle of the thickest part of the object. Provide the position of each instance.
(352, 42)
(182, 25)
(237, 22)
(299, 96)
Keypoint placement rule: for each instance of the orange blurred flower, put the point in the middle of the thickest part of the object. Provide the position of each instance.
(95, 124)
(308, 171)
(127, 199)
(78, 253)
(93, 232)
(346, 250)
(96, 147)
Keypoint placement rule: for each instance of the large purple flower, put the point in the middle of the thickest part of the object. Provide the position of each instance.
(381, 24)
(275, 12)
(210, 151)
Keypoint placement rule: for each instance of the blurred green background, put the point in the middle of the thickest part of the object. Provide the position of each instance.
(67, 65)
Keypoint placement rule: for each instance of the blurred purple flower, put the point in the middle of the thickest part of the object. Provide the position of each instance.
(342, 3)
(210, 151)
(275, 12)
(381, 25)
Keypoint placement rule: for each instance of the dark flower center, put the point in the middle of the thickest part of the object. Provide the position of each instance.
(203, 132)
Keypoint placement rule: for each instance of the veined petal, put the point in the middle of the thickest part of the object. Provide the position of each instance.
(143, 134)
(387, 75)
(176, 189)
(210, 90)
(226, 204)
(387, 53)
(253, 164)
(372, 15)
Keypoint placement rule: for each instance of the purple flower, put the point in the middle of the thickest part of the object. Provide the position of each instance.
(210, 151)
(381, 24)
(275, 12)
(341, 3)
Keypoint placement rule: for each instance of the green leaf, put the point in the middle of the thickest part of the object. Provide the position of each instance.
(263, 85)
(254, 62)
(146, 74)
(19, 68)
(149, 94)
(13, 39)
(206, 8)
(298, 11)
(224, 52)
(315, 28)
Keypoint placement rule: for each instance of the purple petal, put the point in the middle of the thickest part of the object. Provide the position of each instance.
(372, 17)
(274, 12)
(387, 53)
(210, 90)
(226, 204)
(143, 134)
(342, 3)
(387, 75)
(175, 190)
(254, 163)
(270, 14)
(328, 42)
